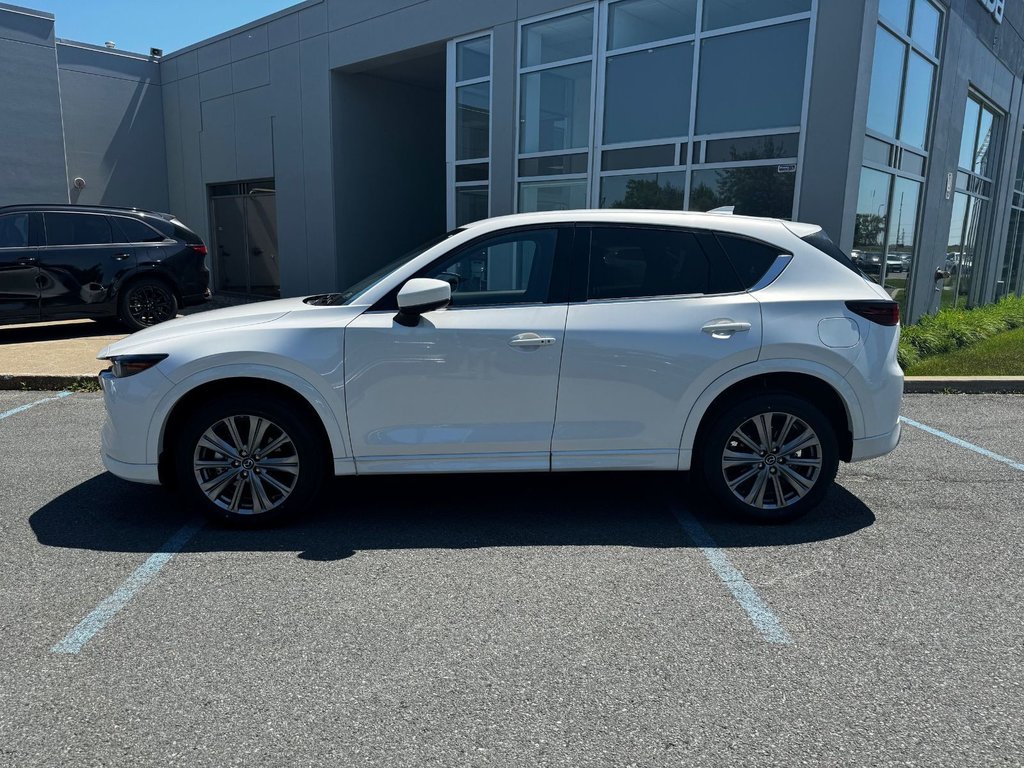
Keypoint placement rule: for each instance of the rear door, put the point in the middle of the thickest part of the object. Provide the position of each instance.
(657, 314)
(19, 290)
(84, 260)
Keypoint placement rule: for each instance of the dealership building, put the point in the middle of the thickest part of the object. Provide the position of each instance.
(312, 146)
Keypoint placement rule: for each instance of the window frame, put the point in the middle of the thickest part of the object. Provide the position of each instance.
(451, 141)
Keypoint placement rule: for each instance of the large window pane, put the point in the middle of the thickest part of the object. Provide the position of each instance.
(635, 22)
(970, 134)
(648, 191)
(917, 101)
(902, 239)
(985, 137)
(886, 76)
(14, 231)
(640, 157)
(76, 229)
(927, 20)
(555, 109)
(552, 195)
(558, 39)
(761, 71)
(728, 13)
(473, 121)
(470, 205)
(752, 148)
(760, 191)
(870, 224)
(1018, 182)
(1013, 263)
(896, 13)
(647, 94)
(473, 59)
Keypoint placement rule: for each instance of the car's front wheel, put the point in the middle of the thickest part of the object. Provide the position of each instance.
(248, 460)
(770, 458)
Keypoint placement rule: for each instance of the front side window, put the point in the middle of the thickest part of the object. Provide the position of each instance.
(14, 230)
(639, 263)
(513, 268)
(77, 229)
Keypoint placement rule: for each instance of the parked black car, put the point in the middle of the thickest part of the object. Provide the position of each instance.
(59, 262)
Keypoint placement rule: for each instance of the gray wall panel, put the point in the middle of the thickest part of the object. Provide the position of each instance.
(194, 203)
(315, 82)
(250, 73)
(216, 54)
(283, 31)
(503, 121)
(26, 27)
(188, 64)
(99, 61)
(312, 21)
(249, 43)
(215, 83)
(175, 157)
(344, 13)
(218, 140)
(254, 154)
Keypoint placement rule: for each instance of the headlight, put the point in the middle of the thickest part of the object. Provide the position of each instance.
(128, 365)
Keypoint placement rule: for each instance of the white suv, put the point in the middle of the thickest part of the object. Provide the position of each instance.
(751, 351)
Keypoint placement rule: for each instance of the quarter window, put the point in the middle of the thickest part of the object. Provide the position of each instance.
(14, 230)
(137, 232)
(77, 229)
(637, 263)
(749, 258)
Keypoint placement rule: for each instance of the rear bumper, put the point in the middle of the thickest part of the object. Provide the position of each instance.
(873, 447)
(196, 298)
(136, 473)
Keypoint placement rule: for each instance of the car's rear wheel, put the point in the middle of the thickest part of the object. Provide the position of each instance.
(248, 461)
(145, 303)
(770, 458)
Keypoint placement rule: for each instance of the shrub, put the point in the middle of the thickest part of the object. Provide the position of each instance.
(951, 329)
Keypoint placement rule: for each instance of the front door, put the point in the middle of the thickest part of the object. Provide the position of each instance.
(472, 387)
(659, 319)
(19, 289)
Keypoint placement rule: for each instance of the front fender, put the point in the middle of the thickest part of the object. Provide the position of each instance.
(846, 393)
(322, 398)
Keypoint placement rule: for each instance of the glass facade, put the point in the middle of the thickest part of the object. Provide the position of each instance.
(1012, 277)
(469, 141)
(620, 105)
(897, 144)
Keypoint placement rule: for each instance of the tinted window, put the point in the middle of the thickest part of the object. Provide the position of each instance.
(137, 232)
(514, 268)
(823, 243)
(14, 230)
(750, 258)
(630, 263)
(76, 229)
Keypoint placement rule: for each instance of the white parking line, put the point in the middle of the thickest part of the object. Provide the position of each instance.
(963, 443)
(22, 408)
(105, 611)
(764, 620)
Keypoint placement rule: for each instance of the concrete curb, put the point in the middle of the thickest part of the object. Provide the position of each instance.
(912, 385)
(49, 382)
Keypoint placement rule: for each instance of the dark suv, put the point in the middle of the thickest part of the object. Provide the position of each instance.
(59, 262)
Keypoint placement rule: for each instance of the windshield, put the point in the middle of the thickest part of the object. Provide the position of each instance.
(356, 290)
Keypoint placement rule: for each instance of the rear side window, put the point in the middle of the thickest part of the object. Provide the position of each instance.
(137, 232)
(14, 230)
(750, 258)
(823, 243)
(637, 263)
(77, 229)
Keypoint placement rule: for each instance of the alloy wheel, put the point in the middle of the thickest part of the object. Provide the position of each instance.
(150, 304)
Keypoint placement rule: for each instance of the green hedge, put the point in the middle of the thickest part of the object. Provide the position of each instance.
(951, 329)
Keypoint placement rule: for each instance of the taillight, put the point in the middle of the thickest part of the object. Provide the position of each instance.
(201, 249)
(881, 312)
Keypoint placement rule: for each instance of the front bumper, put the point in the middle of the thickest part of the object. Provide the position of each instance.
(130, 403)
(873, 447)
(136, 473)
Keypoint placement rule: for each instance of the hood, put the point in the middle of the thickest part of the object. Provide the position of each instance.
(202, 322)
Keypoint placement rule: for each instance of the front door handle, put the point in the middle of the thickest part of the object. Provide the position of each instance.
(121, 256)
(724, 329)
(531, 340)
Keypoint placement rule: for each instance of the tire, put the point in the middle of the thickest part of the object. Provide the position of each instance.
(244, 487)
(775, 489)
(145, 303)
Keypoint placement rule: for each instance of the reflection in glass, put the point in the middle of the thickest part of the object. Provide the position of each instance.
(553, 165)
(896, 13)
(759, 96)
(640, 157)
(886, 76)
(981, 154)
(728, 13)
(869, 228)
(647, 94)
(758, 191)
(1013, 263)
(964, 245)
(470, 205)
(917, 101)
(752, 148)
(555, 109)
(927, 20)
(902, 238)
(552, 195)
(473, 121)
(970, 135)
(473, 59)
(558, 39)
(634, 22)
(648, 191)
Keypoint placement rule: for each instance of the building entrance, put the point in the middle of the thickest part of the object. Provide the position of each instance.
(244, 224)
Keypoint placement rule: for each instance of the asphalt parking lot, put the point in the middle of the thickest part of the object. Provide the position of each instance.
(519, 620)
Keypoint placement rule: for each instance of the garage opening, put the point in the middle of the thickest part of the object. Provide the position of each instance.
(389, 158)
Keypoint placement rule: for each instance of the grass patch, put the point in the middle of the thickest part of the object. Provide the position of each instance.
(951, 329)
(1000, 355)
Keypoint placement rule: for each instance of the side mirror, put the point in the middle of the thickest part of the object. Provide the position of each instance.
(420, 295)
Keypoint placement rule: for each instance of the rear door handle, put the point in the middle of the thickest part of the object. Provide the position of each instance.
(724, 329)
(27, 260)
(531, 340)
(121, 256)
